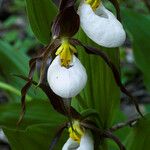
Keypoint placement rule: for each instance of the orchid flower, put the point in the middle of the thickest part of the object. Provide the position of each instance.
(83, 135)
(66, 75)
(100, 25)
(80, 139)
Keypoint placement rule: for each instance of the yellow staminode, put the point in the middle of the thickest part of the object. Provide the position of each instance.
(77, 132)
(94, 3)
(66, 51)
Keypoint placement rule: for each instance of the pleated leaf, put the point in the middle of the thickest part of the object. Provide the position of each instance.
(38, 112)
(14, 62)
(33, 138)
(41, 15)
(37, 128)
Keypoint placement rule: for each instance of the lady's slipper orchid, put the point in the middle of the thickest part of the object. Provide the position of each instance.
(100, 24)
(66, 82)
(80, 139)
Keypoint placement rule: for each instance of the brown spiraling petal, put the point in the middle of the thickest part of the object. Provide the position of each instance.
(32, 66)
(66, 23)
(48, 51)
(23, 104)
(55, 100)
(116, 73)
(24, 90)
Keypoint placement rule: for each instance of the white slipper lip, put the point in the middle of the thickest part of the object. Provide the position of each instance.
(66, 82)
(101, 26)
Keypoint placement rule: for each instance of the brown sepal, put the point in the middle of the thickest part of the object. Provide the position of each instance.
(66, 23)
(66, 3)
(32, 66)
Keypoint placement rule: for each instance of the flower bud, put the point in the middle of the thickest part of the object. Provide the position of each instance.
(101, 25)
(66, 82)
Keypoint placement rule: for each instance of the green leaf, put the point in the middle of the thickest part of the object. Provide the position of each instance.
(34, 137)
(101, 92)
(37, 128)
(38, 112)
(140, 136)
(137, 25)
(13, 61)
(41, 14)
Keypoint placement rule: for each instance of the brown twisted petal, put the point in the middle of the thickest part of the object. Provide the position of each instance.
(54, 99)
(32, 66)
(24, 90)
(49, 50)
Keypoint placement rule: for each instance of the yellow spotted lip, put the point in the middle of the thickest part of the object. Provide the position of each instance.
(66, 51)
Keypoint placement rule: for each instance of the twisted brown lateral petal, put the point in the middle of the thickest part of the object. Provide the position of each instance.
(24, 90)
(46, 54)
(57, 136)
(55, 100)
(32, 66)
(116, 74)
(116, 5)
